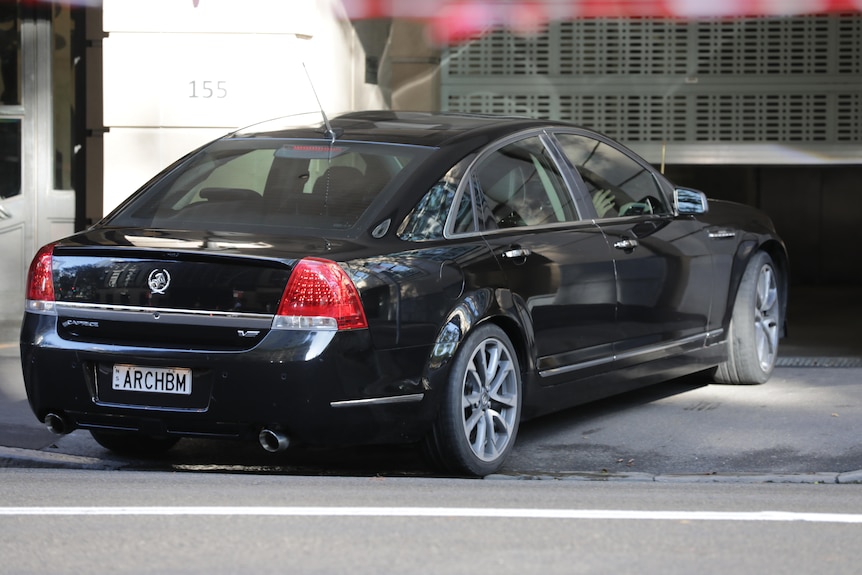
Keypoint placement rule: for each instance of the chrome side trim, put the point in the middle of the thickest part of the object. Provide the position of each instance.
(411, 398)
(700, 338)
(576, 366)
(108, 312)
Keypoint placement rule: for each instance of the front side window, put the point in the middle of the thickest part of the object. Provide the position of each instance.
(246, 184)
(519, 185)
(618, 185)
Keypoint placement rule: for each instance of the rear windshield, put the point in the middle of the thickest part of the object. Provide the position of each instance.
(249, 184)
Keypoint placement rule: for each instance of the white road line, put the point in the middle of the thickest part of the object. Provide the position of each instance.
(774, 516)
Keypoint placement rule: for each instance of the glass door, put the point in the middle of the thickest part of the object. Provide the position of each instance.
(37, 204)
(14, 208)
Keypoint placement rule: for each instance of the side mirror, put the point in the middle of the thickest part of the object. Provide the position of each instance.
(690, 201)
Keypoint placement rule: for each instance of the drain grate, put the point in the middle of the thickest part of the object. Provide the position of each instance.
(819, 362)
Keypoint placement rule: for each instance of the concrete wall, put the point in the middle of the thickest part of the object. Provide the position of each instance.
(179, 74)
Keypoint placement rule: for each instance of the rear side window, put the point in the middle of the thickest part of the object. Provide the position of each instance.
(428, 219)
(241, 185)
(516, 185)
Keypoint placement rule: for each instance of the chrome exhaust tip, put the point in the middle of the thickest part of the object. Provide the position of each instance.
(58, 424)
(273, 440)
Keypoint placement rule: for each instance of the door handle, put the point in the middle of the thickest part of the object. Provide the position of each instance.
(514, 253)
(4, 213)
(626, 244)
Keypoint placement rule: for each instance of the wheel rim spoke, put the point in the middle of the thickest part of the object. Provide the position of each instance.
(765, 344)
(471, 423)
(490, 448)
(481, 432)
(501, 425)
(767, 294)
(492, 361)
(766, 318)
(500, 395)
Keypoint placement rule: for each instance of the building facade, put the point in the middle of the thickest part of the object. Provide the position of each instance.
(97, 97)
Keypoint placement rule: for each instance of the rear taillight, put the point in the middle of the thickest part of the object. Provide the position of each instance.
(320, 296)
(40, 281)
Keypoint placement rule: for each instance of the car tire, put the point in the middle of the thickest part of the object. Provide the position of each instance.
(130, 443)
(752, 344)
(481, 406)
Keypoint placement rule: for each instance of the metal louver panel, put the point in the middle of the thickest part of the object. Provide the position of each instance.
(744, 90)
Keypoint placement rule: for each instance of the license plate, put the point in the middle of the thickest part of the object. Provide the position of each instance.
(172, 380)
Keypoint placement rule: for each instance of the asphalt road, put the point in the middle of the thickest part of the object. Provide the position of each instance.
(72, 521)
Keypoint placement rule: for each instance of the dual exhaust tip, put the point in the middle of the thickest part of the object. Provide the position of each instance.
(271, 440)
(58, 424)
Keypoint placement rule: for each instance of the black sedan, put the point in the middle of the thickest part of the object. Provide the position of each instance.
(391, 277)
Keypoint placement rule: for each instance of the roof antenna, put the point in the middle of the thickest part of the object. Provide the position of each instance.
(329, 131)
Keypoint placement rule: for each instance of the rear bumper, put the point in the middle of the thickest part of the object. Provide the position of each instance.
(316, 387)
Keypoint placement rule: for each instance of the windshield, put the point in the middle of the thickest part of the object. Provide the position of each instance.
(245, 185)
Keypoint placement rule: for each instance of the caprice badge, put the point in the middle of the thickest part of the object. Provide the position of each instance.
(159, 280)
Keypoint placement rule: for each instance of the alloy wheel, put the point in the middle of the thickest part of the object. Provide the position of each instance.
(490, 400)
(766, 322)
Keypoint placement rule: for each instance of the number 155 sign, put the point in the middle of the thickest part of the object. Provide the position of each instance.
(208, 89)
(200, 80)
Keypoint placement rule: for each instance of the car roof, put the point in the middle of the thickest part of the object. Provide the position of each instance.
(416, 128)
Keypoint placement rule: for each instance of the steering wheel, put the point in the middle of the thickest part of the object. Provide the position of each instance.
(636, 208)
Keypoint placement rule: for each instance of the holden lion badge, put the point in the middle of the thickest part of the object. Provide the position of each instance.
(159, 280)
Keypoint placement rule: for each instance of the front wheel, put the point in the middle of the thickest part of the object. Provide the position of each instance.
(481, 407)
(754, 326)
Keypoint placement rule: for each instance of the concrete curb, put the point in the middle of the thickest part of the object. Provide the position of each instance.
(17, 457)
(850, 477)
(821, 478)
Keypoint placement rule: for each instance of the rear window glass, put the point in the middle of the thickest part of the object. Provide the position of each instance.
(242, 185)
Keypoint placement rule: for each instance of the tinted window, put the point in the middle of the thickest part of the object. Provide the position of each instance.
(240, 185)
(618, 185)
(519, 185)
(427, 220)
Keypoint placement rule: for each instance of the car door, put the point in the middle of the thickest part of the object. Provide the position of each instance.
(664, 269)
(557, 265)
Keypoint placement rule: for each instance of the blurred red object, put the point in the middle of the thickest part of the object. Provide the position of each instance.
(452, 20)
